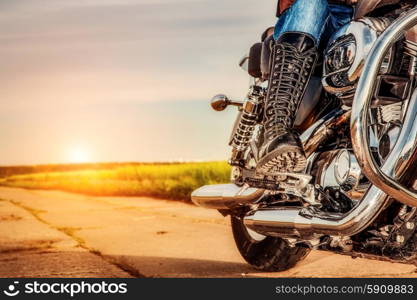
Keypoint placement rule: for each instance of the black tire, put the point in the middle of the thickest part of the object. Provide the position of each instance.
(271, 254)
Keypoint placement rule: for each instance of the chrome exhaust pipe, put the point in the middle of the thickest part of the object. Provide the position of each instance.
(225, 196)
(298, 222)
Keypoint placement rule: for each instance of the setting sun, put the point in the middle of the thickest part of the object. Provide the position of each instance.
(79, 155)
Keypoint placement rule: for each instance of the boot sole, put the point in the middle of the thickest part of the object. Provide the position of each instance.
(287, 160)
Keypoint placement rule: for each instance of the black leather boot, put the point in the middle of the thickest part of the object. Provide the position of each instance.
(293, 61)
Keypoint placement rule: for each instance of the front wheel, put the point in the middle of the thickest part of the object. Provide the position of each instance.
(265, 253)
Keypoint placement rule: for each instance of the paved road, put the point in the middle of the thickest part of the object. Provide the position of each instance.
(57, 234)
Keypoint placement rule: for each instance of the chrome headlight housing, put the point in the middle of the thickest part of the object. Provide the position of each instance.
(347, 52)
(339, 59)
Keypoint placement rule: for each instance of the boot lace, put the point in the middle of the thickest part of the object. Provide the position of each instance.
(291, 71)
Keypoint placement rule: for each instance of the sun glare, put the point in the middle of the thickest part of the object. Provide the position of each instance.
(79, 155)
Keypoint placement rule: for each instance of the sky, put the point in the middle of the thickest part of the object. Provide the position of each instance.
(122, 80)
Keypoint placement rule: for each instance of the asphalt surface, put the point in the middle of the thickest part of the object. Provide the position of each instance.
(57, 234)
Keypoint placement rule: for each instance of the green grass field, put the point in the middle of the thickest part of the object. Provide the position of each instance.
(168, 181)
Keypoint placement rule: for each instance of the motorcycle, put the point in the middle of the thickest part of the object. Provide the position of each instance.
(357, 195)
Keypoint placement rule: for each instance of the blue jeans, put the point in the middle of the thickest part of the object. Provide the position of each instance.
(314, 17)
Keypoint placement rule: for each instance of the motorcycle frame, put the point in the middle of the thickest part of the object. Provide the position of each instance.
(303, 223)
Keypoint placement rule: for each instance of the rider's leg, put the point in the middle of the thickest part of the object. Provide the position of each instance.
(297, 36)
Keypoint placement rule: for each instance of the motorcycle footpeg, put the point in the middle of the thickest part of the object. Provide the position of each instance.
(289, 177)
(262, 183)
(276, 181)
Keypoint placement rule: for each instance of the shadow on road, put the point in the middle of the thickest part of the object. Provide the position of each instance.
(183, 267)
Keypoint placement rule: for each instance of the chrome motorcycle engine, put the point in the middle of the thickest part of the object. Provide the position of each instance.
(339, 171)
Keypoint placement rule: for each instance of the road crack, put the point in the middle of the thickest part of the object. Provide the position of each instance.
(71, 233)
